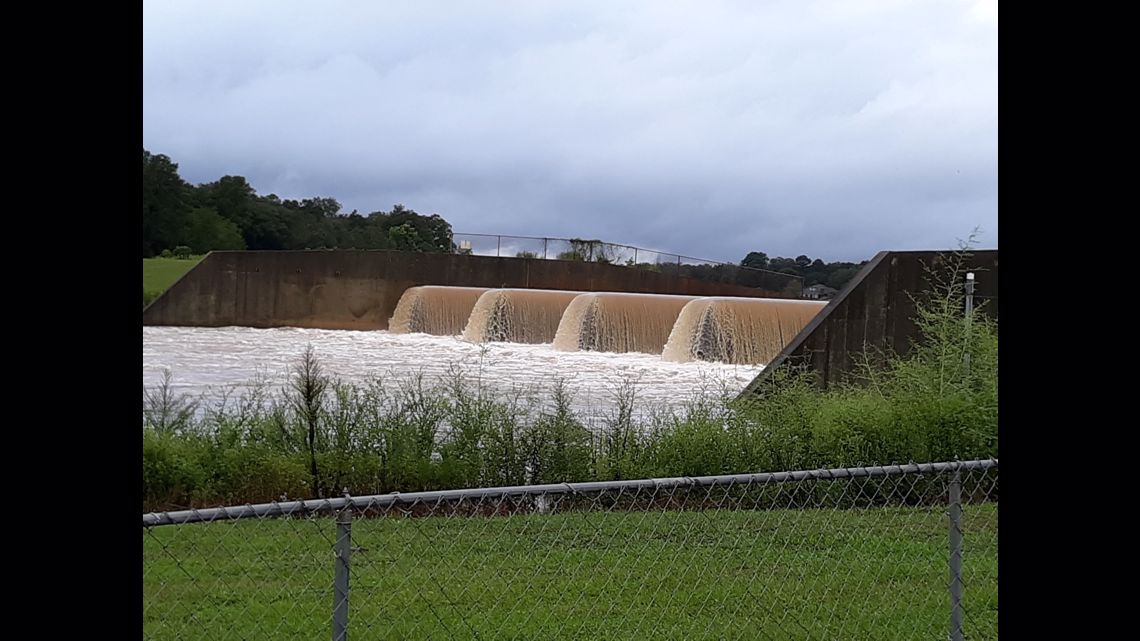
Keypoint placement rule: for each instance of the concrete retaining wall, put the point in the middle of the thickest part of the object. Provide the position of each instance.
(875, 310)
(360, 289)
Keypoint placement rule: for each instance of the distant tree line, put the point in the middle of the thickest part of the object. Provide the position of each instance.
(229, 214)
(814, 272)
(182, 218)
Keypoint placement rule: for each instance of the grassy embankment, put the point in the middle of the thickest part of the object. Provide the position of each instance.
(160, 273)
(803, 574)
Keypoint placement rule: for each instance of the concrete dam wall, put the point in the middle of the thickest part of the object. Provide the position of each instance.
(875, 311)
(359, 290)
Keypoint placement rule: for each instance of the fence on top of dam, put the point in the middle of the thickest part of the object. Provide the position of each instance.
(575, 249)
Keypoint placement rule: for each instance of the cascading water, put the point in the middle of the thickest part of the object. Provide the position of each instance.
(517, 315)
(744, 331)
(618, 322)
(434, 309)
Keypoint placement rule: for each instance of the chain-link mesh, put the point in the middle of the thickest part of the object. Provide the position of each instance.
(836, 554)
(596, 251)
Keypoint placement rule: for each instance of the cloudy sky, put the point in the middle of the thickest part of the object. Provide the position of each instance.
(712, 128)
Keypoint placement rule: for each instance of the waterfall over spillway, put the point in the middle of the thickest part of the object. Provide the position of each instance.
(745, 331)
(517, 315)
(431, 309)
(734, 330)
(618, 322)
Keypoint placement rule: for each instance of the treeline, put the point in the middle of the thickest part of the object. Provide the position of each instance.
(814, 272)
(182, 218)
(229, 214)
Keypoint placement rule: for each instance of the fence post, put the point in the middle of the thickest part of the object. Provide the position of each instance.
(544, 248)
(956, 557)
(340, 579)
(498, 246)
(969, 312)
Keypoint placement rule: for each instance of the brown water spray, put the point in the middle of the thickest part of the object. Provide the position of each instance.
(434, 309)
(743, 331)
(618, 322)
(517, 315)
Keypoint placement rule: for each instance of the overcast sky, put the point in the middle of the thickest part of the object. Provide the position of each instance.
(834, 129)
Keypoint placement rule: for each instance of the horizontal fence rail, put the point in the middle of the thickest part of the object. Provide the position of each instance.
(384, 500)
(882, 552)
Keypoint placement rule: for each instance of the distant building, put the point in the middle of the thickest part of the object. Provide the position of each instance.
(820, 292)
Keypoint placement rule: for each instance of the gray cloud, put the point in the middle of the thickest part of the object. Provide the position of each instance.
(832, 128)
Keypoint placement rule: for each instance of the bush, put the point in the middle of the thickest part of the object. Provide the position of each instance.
(182, 251)
(324, 437)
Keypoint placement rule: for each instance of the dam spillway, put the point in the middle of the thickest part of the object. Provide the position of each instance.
(726, 329)
(517, 315)
(737, 330)
(434, 309)
(618, 322)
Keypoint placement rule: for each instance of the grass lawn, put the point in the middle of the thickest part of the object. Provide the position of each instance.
(876, 573)
(160, 273)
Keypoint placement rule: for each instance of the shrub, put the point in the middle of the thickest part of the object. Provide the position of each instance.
(321, 436)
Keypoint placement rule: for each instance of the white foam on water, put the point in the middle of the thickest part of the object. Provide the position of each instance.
(205, 361)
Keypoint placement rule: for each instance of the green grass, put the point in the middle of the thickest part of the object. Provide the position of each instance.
(160, 273)
(877, 573)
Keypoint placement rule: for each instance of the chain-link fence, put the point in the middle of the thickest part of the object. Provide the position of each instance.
(900, 552)
(597, 251)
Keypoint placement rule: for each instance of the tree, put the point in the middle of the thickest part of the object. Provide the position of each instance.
(206, 231)
(403, 237)
(164, 206)
(229, 214)
(755, 260)
(840, 277)
(232, 197)
(780, 263)
(591, 251)
(321, 207)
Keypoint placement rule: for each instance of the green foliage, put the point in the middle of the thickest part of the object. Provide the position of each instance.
(403, 237)
(938, 402)
(755, 260)
(558, 446)
(207, 230)
(182, 252)
(164, 203)
(229, 214)
(813, 272)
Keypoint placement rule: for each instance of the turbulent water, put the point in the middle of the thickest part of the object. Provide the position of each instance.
(432, 309)
(206, 361)
(737, 330)
(619, 322)
(517, 315)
